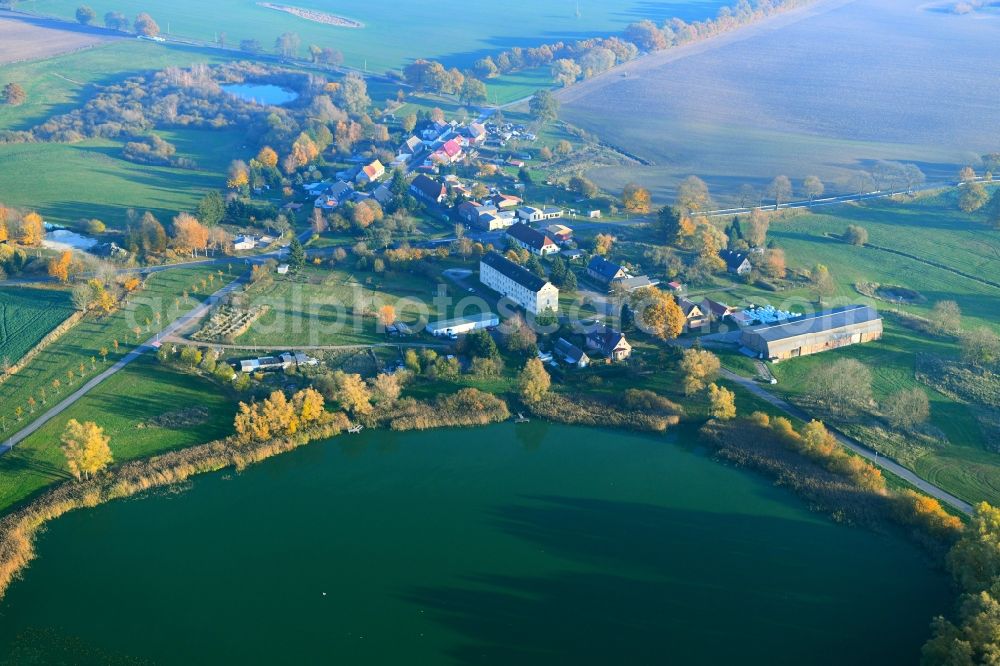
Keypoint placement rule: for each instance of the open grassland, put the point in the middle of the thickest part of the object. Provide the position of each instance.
(324, 307)
(27, 316)
(90, 179)
(398, 31)
(824, 95)
(145, 409)
(62, 83)
(931, 229)
(78, 351)
(24, 38)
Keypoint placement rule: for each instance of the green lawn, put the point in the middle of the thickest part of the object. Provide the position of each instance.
(82, 344)
(27, 316)
(124, 406)
(69, 182)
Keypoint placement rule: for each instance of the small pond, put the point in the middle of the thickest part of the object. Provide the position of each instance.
(63, 239)
(261, 93)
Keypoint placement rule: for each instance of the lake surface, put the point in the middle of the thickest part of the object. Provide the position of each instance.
(261, 93)
(513, 544)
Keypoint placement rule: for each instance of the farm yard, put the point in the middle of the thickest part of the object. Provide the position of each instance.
(872, 81)
(960, 450)
(29, 38)
(27, 316)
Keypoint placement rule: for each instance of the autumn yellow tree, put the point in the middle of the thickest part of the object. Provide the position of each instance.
(722, 402)
(603, 243)
(189, 235)
(280, 413)
(239, 175)
(86, 448)
(352, 393)
(59, 266)
(268, 157)
(386, 315)
(4, 222)
(386, 388)
(309, 405)
(31, 229)
(534, 381)
(657, 313)
(699, 367)
(636, 199)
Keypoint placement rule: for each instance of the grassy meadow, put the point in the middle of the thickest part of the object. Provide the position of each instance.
(826, 95)
(69, 182)
(144, 409)
(27, 316)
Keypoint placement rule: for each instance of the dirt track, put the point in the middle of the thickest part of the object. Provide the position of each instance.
(29, 38)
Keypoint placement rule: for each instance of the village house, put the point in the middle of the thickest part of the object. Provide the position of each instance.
(469, 211)
(605, 272)
(559, 232)
(242, 243)
(334, 195)
(491, 219)
(428, 189)
(449, 153)
(506, 201)
(534, 241)
(812, 334)
(609, 342)
(717, 311)
(382, 194)
(694, 316)
(737, 263)
(530, 214)
(571, 354)
(520, 285)
(371, 173)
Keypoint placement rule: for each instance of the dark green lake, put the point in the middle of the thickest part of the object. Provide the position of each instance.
(514, 544)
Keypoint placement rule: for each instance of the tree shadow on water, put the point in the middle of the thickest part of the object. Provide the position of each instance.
(643, 584)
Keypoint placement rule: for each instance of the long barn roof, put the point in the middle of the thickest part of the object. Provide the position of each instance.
(818, 322)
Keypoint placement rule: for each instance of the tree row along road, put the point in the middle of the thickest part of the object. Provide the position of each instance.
(885, 463)
(177, 325)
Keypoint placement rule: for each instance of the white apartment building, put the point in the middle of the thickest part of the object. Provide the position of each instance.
(529, 291)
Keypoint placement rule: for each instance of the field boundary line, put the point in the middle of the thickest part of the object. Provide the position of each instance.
(67, 324)
(928, 262)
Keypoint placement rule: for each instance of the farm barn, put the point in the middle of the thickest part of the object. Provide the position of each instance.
(812, 334)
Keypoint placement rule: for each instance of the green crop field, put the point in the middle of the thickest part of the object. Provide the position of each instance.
(163, 295)
(69, 182)
(124, 406)
(931, 229)
(398, 31)
(27, 316)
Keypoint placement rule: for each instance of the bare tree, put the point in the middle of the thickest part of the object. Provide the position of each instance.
(812, 187)
(780, 190)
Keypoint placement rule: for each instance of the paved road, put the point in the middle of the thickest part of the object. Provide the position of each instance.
(854, 445)
(177, 325)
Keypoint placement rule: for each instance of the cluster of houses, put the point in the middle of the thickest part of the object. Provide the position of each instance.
(601, 339)
(329, 196)
(439, 144)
